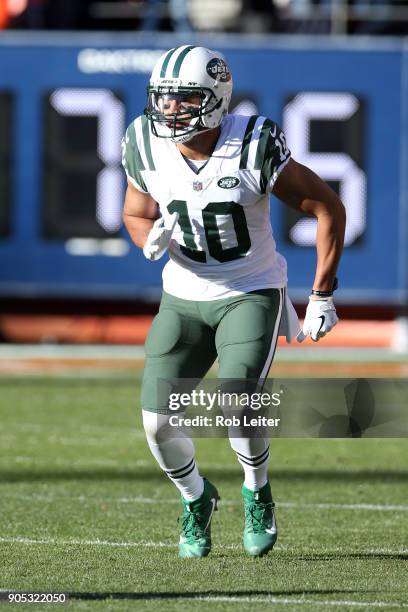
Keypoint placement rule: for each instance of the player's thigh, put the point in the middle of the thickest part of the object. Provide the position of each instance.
(178, 346)
(247, 334)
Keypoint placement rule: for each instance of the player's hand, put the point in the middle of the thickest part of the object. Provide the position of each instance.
(320, 318)
(158, 239)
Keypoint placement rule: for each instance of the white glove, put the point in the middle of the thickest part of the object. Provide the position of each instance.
(319, 320)
(158, 239)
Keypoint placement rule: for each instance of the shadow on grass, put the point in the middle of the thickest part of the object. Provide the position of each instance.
(220, 474)
(352, 555)
(213, 594)
(128, 376)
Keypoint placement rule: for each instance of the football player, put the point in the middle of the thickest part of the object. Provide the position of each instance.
(199, 181)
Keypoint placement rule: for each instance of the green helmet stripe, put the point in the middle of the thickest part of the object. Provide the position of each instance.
(179, 61)
(166, 63)
(246, 142)
(146, 141)
(263, 139)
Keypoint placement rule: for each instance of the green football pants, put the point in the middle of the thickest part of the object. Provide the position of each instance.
(187, 336)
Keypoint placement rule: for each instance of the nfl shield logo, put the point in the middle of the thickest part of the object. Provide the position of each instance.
(197, 186)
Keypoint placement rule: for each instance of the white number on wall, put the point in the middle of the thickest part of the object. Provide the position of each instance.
(298, 114)
(110, 112)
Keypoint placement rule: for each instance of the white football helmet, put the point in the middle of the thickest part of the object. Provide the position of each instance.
(200, 82)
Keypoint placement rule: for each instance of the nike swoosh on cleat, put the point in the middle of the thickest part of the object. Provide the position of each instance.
(272, 530)
(214, 503)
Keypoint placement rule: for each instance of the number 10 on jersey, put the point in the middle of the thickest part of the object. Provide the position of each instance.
(212, 233)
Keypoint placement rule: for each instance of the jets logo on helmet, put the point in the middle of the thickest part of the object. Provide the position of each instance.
(218, 69)
(189, 92)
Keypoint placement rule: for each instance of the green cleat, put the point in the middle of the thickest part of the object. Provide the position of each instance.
(260, 531)
(195, 537)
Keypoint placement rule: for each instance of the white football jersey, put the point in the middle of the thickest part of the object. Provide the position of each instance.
(222, 245)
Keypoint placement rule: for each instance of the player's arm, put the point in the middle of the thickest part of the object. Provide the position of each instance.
(139, 213)
(301, 189)
(147, 230)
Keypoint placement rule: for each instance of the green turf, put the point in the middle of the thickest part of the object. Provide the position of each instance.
(84, 510)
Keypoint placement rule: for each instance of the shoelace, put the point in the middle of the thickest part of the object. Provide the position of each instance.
(255, 514)
(191, 525)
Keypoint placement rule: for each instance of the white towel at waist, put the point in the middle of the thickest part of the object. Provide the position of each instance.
(289, 324)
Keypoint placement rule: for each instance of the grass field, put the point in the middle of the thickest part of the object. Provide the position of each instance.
(84, 510)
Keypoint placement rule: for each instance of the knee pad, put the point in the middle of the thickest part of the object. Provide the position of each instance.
(157, 427)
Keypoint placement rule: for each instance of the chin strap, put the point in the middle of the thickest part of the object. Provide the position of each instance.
(181, 139)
